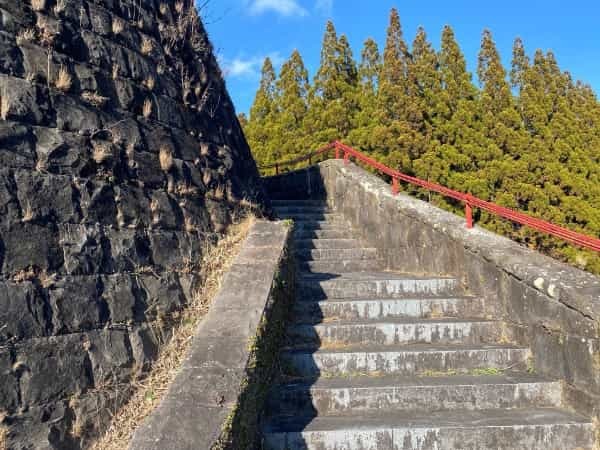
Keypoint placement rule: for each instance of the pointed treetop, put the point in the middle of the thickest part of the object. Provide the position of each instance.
(520, 63)
(395, 55)
(492, 75)
(453, 67)
(345, 59)
(263, 102)
(370, 65)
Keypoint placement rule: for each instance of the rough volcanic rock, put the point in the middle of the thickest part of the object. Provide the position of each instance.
(120, 158)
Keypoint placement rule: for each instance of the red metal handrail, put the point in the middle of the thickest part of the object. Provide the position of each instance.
(468, 200)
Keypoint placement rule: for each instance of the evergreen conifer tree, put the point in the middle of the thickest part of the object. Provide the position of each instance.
(292, 103)
(260, 128)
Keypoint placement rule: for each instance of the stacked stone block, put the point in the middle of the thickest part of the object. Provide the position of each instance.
(121, 159)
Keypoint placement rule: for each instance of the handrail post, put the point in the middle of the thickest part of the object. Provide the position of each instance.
(310, 159)
(468, 211)
(276, 169)
(346, 157)
(395, 186)
(337, 152)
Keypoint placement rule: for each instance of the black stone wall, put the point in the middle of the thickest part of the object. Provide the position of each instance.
(111, 186)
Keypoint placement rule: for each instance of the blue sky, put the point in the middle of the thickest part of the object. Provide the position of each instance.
(243, 32)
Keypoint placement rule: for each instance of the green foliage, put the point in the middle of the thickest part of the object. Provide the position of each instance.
(527, 138)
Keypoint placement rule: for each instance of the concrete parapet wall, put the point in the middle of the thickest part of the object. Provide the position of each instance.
(216, 399)
(551, 307)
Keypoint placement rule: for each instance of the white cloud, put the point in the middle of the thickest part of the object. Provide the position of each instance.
(324, 6)
(241, 67)
(284, 7)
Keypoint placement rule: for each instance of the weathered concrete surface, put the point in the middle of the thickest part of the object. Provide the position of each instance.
(209, 389)
(550, 307)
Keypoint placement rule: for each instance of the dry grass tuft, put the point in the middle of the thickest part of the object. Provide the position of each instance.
(149, 83)
(117, 26)
(60, 7)
(101, 153)
(64, 81)
(216, 261)
(94, 99)
(115, 71)
(147, 108)
(4, 105)
(219, 193)
(3, 436)
(165, 157)
(27, 213)
(163, 8)
(38, 5)
(24, 275)
(147, 45)
(27, 35)
(179, 7)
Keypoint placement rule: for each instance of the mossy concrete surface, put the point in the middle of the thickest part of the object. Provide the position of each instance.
(215, 400)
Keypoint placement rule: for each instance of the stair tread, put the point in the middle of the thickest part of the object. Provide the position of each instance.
(438, 419)
(393, 381)
(398, 321)
(404, 348)
(383, 299)
(371, 276)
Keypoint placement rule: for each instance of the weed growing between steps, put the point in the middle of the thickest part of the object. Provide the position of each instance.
(149, 390)
(241, 429)
(3, 432)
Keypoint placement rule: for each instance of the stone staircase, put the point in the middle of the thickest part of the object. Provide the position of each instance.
(381, 360)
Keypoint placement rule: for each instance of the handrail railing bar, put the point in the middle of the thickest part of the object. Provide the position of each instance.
(468, 200)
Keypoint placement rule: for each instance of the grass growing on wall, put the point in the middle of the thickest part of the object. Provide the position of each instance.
(149, 391)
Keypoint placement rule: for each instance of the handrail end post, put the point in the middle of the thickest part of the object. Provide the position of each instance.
(468, 213)
(395, 186)
(346, 157)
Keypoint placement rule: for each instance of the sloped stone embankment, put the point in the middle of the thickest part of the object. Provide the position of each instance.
(120, 159)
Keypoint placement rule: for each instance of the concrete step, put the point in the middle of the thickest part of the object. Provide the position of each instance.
(298, 203)
(303, 233)
(403, 360)
(310, 209)
(311, 225)
(310, 217)
(373, 285)
(395, 332)
(334, 267)
(335, 254)
(528, 428)
(423, 308)
(335, 396)
(327, 243)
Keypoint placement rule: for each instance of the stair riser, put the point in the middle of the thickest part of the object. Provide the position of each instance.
(336, 336)
(298, 203)
(307, 217)
(400, 363)
(320, 225)
(283, 210)
(341, 266)
(316, 290)
(534, 437)
(316, 312)
(327, 244)
(307, 400)
(301, 233)
(336, 254)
